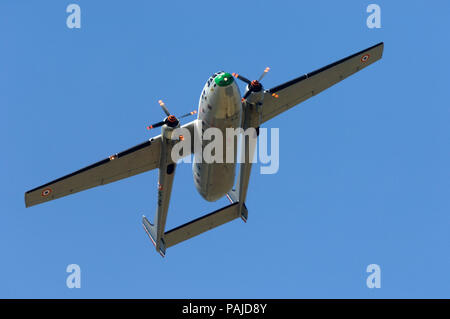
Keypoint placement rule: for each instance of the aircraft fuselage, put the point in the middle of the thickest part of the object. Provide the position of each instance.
(219, 107)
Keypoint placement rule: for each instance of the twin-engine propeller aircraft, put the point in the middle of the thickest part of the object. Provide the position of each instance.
(220, 106)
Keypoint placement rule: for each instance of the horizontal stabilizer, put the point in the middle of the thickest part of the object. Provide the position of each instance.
(202, 224)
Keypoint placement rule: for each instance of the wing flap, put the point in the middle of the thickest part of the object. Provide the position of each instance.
(302, 88)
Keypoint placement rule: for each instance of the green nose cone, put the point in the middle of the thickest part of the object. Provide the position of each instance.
(224, 79)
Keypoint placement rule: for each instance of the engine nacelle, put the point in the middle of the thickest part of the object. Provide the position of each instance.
(254, 97)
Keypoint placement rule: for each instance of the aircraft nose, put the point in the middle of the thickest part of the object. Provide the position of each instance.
(224, 79)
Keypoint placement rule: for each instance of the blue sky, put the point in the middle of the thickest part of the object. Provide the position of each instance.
(363, 176)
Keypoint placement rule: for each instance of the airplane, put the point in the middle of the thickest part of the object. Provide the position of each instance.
(221, 106)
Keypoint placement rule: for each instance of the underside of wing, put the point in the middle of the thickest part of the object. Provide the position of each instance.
(289, 94)
(136, 160)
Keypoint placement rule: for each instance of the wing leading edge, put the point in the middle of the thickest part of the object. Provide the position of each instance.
(138, 159)
(302, 88)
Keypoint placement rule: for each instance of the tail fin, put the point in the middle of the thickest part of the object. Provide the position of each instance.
(232, 196)
(150, 229)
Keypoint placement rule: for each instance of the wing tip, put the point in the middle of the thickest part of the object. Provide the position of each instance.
(27, 203)
(381, 44)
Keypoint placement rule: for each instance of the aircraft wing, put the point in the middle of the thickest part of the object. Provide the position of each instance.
(284, 96)
(136, 160)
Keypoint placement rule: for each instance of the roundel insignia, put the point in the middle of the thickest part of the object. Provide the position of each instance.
(365, 57)
(46, 192)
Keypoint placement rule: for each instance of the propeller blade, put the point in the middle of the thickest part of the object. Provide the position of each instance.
(156, 125)
(263, 74)
(190, 113)
(165, 109)
(242, 78)
(246, 95)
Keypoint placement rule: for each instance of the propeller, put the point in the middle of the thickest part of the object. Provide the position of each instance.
(264, 73)
(252, 86)
(170, 120)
